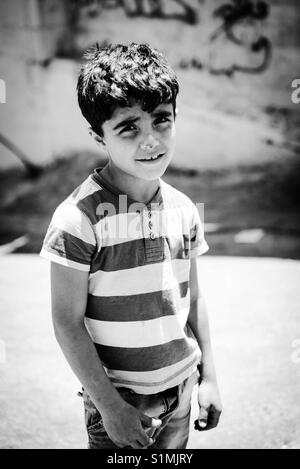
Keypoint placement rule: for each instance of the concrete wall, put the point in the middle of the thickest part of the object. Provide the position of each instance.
(221, 122)
(31, 29)
(33, 114)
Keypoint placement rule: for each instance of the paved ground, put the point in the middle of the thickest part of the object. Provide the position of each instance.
(254, 309)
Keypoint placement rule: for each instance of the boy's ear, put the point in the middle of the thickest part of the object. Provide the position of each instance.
(99, 140)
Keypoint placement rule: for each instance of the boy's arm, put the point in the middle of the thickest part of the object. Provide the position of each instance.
(69, 291)
(210, 406)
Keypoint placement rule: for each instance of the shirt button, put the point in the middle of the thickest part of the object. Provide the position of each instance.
(152, 235)
(149, 214)
(150, 224)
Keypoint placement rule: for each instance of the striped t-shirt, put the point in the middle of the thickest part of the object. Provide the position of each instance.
(138, 259)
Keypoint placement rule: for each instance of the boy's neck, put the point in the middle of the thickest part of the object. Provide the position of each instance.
(137, 189)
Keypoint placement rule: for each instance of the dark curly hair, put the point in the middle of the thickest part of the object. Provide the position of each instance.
(115, 74)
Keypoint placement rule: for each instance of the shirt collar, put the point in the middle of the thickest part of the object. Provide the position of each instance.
(97, 176)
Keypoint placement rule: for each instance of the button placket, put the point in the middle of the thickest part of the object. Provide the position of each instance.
(153, 243)
(150, 224)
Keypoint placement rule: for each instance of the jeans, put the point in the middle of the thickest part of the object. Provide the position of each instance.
(172, 406)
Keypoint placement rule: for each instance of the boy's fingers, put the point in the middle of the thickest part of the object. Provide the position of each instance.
(156, 423)
(214, 417)
(138, 445)
(150, 422)
(203, 416)
(144, 440)
(151, 441)
(211, 422)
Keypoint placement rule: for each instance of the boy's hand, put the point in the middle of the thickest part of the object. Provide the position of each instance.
(126, 426)
(210, 405)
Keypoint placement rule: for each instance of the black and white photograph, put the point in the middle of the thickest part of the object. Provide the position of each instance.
(149, 227)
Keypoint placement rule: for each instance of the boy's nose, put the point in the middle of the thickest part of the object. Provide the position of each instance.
(149, 143)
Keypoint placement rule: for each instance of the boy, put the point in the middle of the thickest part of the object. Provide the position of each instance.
(126, 305)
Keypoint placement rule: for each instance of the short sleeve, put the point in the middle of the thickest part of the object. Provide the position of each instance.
(198, 244)
(70, 239)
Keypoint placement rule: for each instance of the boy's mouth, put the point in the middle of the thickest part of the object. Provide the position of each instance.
(152, 158)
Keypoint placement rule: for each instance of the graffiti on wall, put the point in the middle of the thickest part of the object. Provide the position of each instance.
(249, 13)
(239, 23)
(146, 8)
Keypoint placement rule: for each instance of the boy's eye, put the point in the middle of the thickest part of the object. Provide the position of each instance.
(162, 120)
(128, 128)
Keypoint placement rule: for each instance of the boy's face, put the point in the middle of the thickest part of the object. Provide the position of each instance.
(132, 137)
